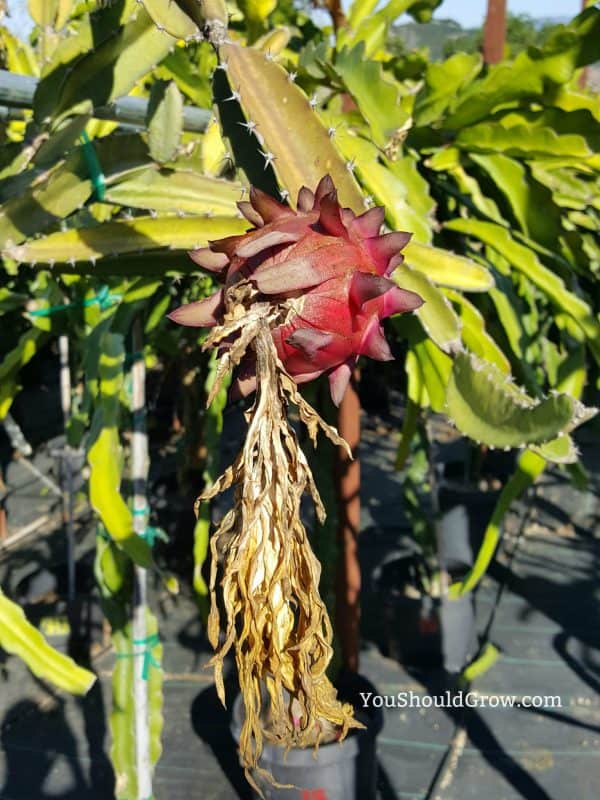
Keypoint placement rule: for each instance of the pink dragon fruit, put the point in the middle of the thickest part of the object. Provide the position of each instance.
(333, 263)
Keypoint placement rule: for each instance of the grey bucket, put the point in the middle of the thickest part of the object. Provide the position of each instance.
(328, 776)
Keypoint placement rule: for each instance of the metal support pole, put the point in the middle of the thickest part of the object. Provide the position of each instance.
(494, 32)
(17, 91)
(348, 485)
(585, 72)
(139, 477)
(66, 465)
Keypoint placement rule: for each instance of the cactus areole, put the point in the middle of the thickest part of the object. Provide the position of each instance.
(304, 293)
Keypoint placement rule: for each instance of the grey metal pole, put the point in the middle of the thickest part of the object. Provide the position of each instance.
(139, 476)
(66, 460)
(17, 91)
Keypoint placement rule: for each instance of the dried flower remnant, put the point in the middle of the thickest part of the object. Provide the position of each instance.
(301, 297)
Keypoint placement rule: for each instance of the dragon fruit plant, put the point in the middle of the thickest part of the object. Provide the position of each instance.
(438, 145)
(304, 293)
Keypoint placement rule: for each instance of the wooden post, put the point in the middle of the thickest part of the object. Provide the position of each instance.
(348, 485)
(139, 477)
(494, 32)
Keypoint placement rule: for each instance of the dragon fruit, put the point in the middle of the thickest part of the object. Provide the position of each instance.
(328, 266)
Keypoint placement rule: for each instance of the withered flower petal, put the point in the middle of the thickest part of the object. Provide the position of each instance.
(328, 263)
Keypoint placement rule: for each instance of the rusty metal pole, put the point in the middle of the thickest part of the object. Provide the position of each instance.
(337, 14)
(583, 77)
(494, 32)
(348, 486)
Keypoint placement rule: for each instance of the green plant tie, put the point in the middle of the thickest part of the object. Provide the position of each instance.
(139, 415)
(103, 534)
(94, 168)
(103, 298)
(139, 512)
(148, 659)
(151, 534)
(130, 358)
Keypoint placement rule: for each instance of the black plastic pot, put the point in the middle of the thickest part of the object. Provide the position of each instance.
(459, 640)
(477, 508)
(412, 630)
(337, 771)
(464, 515)
(419, 630)
(351, 686)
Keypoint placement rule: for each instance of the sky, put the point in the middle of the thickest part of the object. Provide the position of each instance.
(469, 13)
(18, 22)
